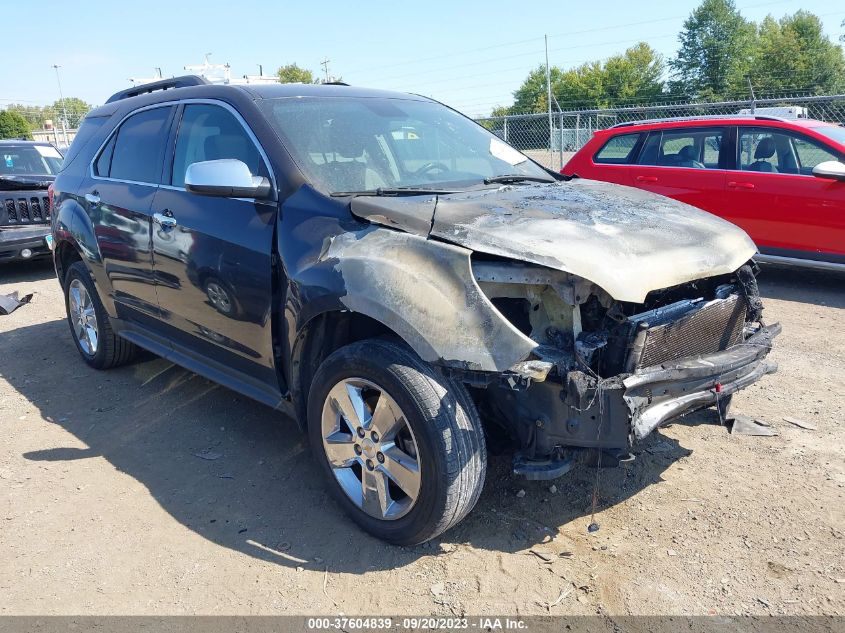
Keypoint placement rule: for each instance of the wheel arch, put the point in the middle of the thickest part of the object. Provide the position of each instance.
(321, 335)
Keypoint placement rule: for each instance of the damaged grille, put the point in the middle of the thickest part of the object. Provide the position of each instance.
(25, 210)
(713, 327)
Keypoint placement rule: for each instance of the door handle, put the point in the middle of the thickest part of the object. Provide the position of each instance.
(164, 220)
(740, 185)
(646, 178)
(93, 198)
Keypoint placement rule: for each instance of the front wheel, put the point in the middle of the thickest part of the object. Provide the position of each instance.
(400, 444)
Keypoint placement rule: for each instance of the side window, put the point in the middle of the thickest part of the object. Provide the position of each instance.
(139, 146)
(810, 153)
(617, 150)
(696, 148)
(210, 132)
(766, 150)
(103, 164)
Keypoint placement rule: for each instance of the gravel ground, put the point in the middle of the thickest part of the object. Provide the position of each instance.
(107, 508)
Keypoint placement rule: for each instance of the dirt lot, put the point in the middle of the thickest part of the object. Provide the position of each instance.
(106, 508)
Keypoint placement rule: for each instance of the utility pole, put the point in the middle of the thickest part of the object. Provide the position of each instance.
(549, 100)
(325, 65)
(62, 100)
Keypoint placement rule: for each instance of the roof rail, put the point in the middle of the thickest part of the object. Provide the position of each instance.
(165, 84)
(703, 117)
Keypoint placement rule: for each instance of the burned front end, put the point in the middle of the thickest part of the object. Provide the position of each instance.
(605, 373)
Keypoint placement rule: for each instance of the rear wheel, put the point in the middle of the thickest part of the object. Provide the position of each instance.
(401, 445)
(89, 323)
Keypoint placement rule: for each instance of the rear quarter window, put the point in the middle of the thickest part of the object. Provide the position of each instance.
(87, 131)
(618, 150)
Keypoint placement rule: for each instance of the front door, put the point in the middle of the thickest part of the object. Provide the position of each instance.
(213, 255)
(774, 196)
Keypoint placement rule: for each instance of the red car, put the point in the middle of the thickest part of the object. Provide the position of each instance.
(783, 181)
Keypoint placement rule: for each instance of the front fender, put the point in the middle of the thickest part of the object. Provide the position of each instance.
(425, 292)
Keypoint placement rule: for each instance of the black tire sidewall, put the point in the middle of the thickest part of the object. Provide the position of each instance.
(375, 361)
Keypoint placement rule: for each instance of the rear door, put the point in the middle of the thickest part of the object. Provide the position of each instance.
(213, 254)
(687, 164)
(124, 178)
(612, 161)
(774, 196)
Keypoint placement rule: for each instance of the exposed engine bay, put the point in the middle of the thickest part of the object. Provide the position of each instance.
(605, 373)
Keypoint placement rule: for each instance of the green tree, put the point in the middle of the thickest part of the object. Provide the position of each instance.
(632, 77)
(34, 115)
(794, 55)
(74, 108)
(14, 125)
(293, 74)
(715, 52)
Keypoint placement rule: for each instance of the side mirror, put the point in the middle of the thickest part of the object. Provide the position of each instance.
(226, 178)
(832, 169)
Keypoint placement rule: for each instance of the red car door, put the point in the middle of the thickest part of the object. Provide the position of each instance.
(774, 196)
(685, 164)
(611, 163)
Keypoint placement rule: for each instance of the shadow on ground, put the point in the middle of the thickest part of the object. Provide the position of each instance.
(27, 271)
(815, 287)
(241, 475)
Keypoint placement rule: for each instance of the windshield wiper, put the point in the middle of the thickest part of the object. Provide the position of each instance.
(512, 178)
(392, 191)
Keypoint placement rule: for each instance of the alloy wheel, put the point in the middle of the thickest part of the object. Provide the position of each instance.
(371, 449)
(83, 317)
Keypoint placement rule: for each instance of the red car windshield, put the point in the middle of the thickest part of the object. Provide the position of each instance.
(834, 133)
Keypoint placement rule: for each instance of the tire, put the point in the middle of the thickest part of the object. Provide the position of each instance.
(108, 350)
(436, 413)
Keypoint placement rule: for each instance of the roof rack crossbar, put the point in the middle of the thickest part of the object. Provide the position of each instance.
(703, 117)
(165, 84)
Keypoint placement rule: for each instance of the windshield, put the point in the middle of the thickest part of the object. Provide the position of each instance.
(29, 160)
(364, 144)
(835, 133)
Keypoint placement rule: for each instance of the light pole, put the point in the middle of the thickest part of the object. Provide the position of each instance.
(62, 100)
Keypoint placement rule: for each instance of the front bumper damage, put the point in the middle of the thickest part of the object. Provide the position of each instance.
(557, 418)
(656, 395)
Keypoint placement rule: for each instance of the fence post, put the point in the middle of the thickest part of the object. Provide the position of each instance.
(577, 131)
(505, 131)
(560, 134)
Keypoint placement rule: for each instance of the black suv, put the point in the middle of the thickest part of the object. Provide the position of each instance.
(27, 169)
(391, 273)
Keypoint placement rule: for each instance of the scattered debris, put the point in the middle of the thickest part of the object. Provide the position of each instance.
(438, 589)
(764, 602)
(208, 455)
(560, 598)
(553, 489)
(693, 500)
(743, 425)
(520, 494)
(9, 303)
(566, 554)
(226, 476)
(544, 557)
(593, 527)
(801, 423)
(671, 552)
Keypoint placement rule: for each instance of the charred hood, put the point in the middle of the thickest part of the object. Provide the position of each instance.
(626, 240)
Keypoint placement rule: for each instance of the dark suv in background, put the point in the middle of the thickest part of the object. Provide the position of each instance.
(27, 169)
(389, 272)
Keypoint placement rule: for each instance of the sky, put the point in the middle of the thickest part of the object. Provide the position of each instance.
(471, 55)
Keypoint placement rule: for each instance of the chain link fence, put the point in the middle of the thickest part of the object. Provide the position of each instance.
(553, 145)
